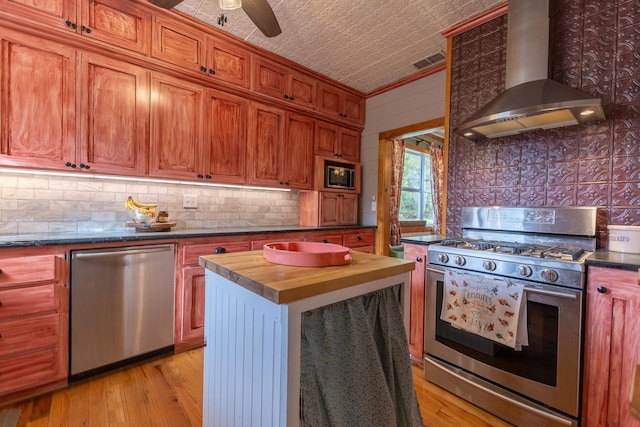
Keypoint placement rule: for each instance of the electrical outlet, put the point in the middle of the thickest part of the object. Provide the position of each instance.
(190, 201)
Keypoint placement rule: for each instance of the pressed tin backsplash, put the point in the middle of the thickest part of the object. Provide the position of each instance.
(594, 47)
(33, 203)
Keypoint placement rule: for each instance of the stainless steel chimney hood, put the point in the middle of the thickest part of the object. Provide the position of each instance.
(531, 101)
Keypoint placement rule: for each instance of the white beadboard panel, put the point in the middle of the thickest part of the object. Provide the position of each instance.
(245, 357)
(416, 102)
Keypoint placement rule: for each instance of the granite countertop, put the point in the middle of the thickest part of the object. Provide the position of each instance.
(284, 284)
(130, 234)
(610, 259)
(424, 239)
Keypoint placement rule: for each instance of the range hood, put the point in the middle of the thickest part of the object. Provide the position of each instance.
(531, 101)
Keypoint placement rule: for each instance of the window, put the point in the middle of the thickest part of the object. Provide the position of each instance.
(415, 201)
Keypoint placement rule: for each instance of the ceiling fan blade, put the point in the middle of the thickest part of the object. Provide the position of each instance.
(166, 4)
(260, 12)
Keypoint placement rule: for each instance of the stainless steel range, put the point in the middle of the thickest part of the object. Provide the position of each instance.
(541, 251)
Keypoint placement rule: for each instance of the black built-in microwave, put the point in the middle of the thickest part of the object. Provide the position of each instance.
(339, 175)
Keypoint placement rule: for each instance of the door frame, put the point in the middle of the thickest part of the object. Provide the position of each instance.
(385, 140)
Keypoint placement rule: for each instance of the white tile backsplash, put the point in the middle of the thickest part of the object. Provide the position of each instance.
(31, 203)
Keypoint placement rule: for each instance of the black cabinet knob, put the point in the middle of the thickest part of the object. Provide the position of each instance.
(219, 250)
(85, 29)
(602, 289)
(212, 71)
(200, 176)
(358, 238)
(286, 96)
(325, 241)
(419, 259)
(203, 69)
(70, 165)
(291, 98)
(71, 24)
(84, 166)
(208, 176)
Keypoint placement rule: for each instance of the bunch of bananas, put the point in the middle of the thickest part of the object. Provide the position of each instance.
(139, 207)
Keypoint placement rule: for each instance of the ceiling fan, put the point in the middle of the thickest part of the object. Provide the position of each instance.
(259, 11)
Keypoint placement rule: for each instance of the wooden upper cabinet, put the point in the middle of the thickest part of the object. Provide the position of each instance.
(225, 138)
(114, 114)
(266, 133)
(283, 83)
(279, 148)
(117, 23)
(190, 48)
(176, 128)
(341, 104)
(37, 108)
(334, 141)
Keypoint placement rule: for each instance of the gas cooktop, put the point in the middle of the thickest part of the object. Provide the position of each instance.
(523, 249)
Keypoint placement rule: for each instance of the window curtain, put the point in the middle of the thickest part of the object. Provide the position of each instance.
(397, 168)
(355, 368)
(436, 152)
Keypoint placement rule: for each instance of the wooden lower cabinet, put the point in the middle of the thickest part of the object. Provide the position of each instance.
(612, 346)
(34, 318)
(189, 322)
(326, 208)
(418, 254)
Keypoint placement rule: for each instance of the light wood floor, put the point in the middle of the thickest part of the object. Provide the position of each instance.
(168, 392)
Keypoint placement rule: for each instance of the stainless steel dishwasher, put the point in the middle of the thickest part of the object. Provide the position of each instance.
(122, 306)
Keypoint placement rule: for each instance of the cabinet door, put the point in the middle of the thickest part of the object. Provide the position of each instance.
(266, 133)
(193, 304)
(115, 22)
(115, 110)
(612, 346)
(297, 154)
(228, 63)
(178, 44)
(329, 101)
(349, 145)
(353, 108)
(302, 90)
(329, 206)
(418, 254)
(37, 109)
(54, 13)
(176, 128)
(269, 78)
(225, 138)
(326, 140)
(348, 209)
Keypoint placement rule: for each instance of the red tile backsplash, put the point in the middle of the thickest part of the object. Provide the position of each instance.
(594, 47)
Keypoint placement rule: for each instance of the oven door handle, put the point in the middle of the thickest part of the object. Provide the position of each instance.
(533, 290)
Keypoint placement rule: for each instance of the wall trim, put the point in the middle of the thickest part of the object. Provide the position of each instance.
(476, 21)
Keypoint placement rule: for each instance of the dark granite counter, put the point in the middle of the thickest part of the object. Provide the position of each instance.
(609, 259)
(131, 235)
(427, 239)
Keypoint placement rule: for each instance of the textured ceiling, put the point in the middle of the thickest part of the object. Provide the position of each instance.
(365, 44)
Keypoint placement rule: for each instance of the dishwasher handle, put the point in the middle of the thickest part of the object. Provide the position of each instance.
(125, 251)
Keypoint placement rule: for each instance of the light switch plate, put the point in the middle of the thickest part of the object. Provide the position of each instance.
(190, 201)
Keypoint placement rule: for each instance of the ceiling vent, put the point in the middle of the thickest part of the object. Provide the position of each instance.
(430, 60)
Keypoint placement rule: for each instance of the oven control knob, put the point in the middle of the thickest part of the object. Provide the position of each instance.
(524, 270)
(549, 275)
(460, 260)
(443, 258)
(488, 265)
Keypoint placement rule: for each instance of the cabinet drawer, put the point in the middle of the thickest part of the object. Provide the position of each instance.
(193, 252)
(27, 334)
(325, 239)
(31, 269)
(353, 240)
(30, 370)
(21, 301)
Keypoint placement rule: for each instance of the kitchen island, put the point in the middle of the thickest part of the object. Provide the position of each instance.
(259, 357)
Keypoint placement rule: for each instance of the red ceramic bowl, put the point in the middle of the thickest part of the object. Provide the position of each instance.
(306, 254)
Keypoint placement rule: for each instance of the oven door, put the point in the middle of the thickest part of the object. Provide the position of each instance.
(547, 370)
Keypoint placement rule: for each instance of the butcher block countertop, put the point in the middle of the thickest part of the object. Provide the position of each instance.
(284, 284)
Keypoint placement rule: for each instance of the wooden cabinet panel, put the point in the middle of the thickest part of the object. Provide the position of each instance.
(327, 208)
(26, 301)
(115, 109)
(282, 83)
(334, 141)
(49, 12)
(27, 334)
(123, 24)
(22, 372)
(354, 108)
(357, 238)
(193, 252)
(266, 133)
(225, 138)
(22, 270)
(193, 304)
(176, 128)
(37, 109)
(418, 254)
(228, 63)
(612, 346)
(341, 104)
(178, 44)
(296, 157)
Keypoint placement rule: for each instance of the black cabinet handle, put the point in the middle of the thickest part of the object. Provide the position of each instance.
(70, 24)
(203, 68)
(291, 98)
(358, 238)
(212, 71)
(286, 96)
(84, 166)
(200, 176)
(419, 259)
(208, 176)
(325, 241)
(85, 29)
(219, 250)
(602, 289)
(70, 165)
